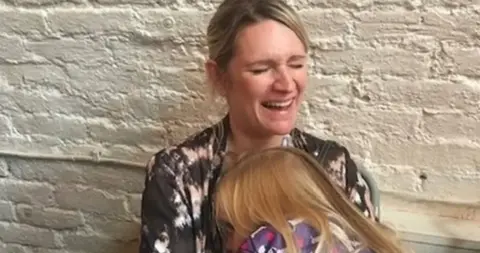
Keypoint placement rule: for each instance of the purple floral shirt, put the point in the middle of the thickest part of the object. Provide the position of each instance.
(267, 240)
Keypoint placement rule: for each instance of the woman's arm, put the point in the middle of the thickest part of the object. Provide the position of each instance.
(166, 220)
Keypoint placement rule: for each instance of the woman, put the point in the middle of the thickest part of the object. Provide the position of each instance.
(276, 210)
(258, 63)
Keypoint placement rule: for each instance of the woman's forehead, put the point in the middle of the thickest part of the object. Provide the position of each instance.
(268, 40)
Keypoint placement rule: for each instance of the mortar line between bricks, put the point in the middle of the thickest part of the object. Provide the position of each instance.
(72, 158)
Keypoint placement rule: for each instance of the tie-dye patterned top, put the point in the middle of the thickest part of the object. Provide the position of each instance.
(177, 213)
(268, 240)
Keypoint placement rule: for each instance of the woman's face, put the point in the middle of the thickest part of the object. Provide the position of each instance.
(266, 79)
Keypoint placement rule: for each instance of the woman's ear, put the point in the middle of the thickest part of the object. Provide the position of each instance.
(215, 77)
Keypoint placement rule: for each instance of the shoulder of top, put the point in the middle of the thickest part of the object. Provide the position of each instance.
(173, 155)
(314, 143)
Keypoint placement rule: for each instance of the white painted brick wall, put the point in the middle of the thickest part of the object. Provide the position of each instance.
(397, 81)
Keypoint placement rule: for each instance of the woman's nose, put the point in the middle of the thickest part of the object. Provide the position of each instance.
(284, 81)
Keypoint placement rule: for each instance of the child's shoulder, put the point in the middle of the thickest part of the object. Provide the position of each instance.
(264, 239)
(268, 239)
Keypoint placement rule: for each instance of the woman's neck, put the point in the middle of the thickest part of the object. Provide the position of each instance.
(240, 141)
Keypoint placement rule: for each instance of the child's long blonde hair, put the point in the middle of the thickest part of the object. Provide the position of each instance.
(281, 184)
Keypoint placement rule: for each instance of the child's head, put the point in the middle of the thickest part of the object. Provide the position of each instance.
(279, 184)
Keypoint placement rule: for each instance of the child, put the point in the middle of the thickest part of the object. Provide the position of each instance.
(282, 200)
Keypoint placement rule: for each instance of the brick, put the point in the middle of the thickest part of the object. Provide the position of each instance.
(103, 105)
(395, 178)
(114, 229)
(38, 102)
(83, 52)
(93, 243)
(63, 127)
(127, 153)
(177, 82)
(444, 24)
(332, 3)
(6, 211)
(102, 82)
(36, 75)
(170, 24)
(326, 23)
(338, 43)
(452, 126)
(441, 24)
(448, 3)
(174, 95)
(357, 145)
(7, 105)
(466, 60)
(27, 235)
(328, 87)
(45, 171)
(43, 250)
(45, 144)
(373, 61)
(440, 157)
(89, 200)
(3, 165)
(169, 38)
(159, 53)
(407, 4)
(114, 178)
(347, 121)
(5, 126)
(15, 248)
(435, 94)
(16, 52)
(104, 131)
(92, 21)
(36, 194)
(394, 34)
(37, 2)
(9, 77)
(23, 22)
(368, 31)
(134, 203)
(121, 2)
(161, 109)
(49, 217)
(395, 16)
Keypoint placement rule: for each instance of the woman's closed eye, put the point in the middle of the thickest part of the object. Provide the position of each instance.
(258, 71)
(296, 66)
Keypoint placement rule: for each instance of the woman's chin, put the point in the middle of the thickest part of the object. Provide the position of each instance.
(279, 128)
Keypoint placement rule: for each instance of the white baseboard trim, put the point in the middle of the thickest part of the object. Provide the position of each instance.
(436, 231)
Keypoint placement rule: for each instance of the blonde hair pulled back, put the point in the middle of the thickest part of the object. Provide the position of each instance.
(234, 15)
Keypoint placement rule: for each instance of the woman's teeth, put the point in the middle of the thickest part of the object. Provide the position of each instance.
(278, 104)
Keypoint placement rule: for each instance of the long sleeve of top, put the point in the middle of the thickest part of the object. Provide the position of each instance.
(177, 211)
